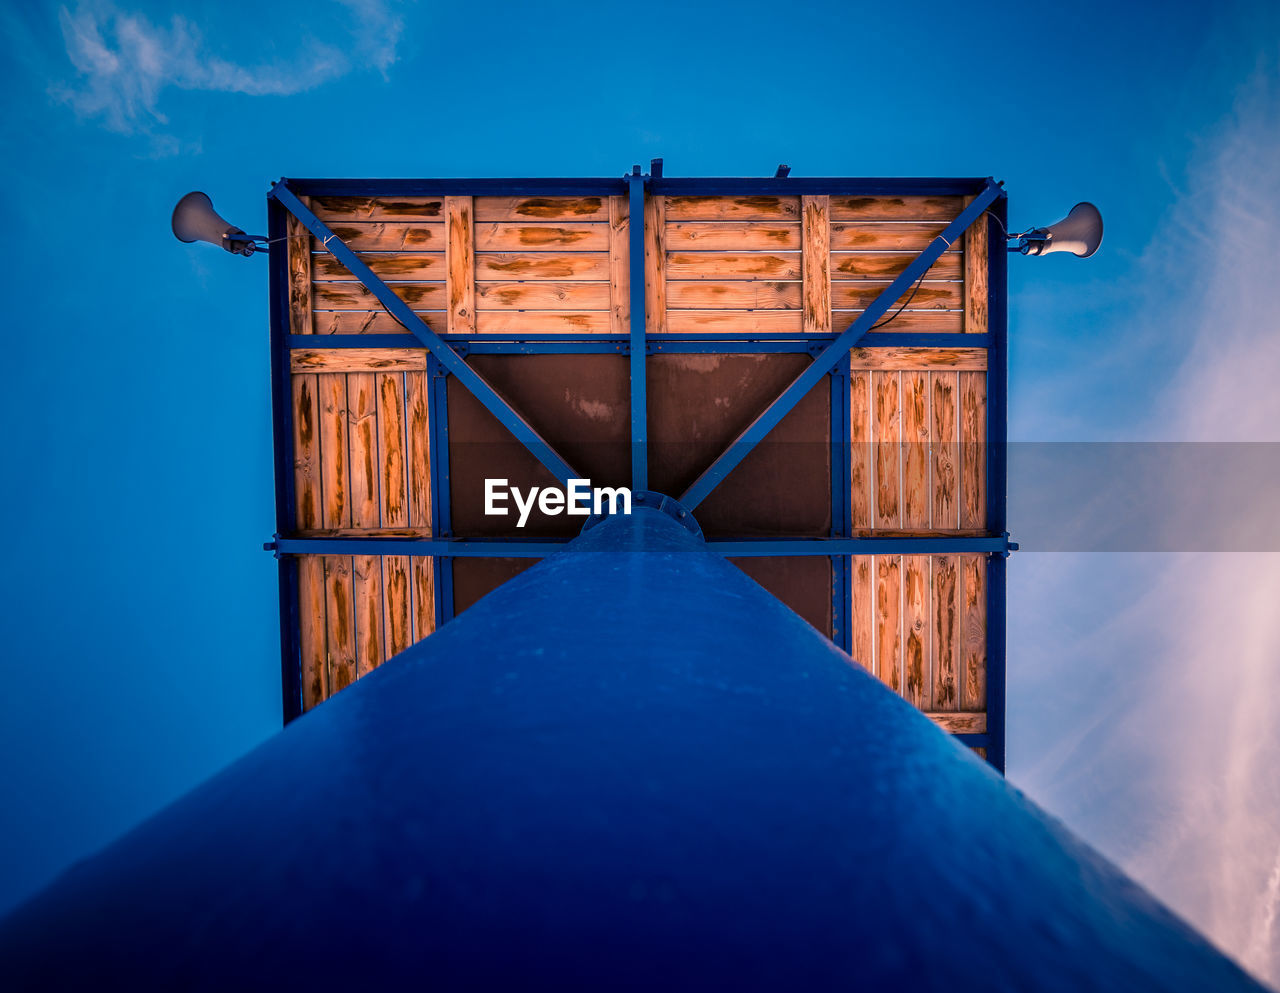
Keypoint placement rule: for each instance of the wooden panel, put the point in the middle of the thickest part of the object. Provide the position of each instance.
(397, 603)
(961, 723)
(975, 276)
(419, 444)
(748, 294)
(944, 691)
(741, 208)
(335, 507)
(416, 266)
(382, 236)
(885, 236)
(311, 630)
(851, 208)
(372, 322)
(732, 321)
(367, 590)
(863, 611)
(306, 452)
(460, 262)
(888, 620)
(732, 236)
(619, 264)
(299, 275)
(354, 296)
(655, 261)
(357, 359)
(937, 321)
(915, 627)
(377, 208)
(503, 237)
(340, 624)
(893, 357)
(861, 454)
(973, 449)
(586, 322)
(915, 449)
(734, 265)
(887, 265)
(542, 265)
(973, 625)
(816, 255)
(945, 452)
(424, 600)
(860, 294)
(542, 296)
(393, 500)
(886, 427)
(542, 208)
(362, 444)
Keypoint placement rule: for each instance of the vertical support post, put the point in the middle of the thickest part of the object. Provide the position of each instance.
(639, 391)
(460, 264)
(280, 310)
(441, 522)
(997, 481)
(815, 263)
(841, 505)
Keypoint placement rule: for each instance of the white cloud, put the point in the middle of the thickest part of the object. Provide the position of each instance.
(125, 63)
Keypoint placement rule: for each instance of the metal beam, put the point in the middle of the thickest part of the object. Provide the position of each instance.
(447, 357)
(826, 360)
(639, 390)
(574, 344)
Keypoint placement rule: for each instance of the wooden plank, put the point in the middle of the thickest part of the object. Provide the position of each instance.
(543, 265)
(861, 455)
(357, 359)
(973, 449)
(859, 294)
(340, 623)
(915, 627)
(872, 236)
(915, 449)
(424, 599)
(755, 294)
(331, 389)
(863, 611)
(507, 237)
(388, 236)
(893, 357)
(372, 322)
(945, 451)
(934, 321)
(973, 627)
(354, 296)
(732, 236)
(655, 263)
(888, 620)
(460, 248)
(887, 265)
(533, 321)
(741, 208)
(886, 428)
(365, 532)
(419, 444)
(816, 255)
(619, 264)
(542, 296)
(414, 266)
(734, 265)
(542, 209)
(393, 489)
(944, 689)
(956, 722)
(362, 444)
(377, 208)
(732, 321)
(367, 590)
(306, 452)
(299, 275)
(975, 276)
(918, 208)
(397, 603)
(311, 630)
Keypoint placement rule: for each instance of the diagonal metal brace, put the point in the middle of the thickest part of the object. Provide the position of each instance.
(827, 359)
(446, 356)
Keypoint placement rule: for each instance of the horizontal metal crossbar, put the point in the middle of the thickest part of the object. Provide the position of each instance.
(509, 344)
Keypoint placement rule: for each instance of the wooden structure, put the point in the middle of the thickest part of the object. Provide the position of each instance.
(872, 508)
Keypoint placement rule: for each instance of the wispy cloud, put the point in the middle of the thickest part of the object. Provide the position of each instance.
(125, 63)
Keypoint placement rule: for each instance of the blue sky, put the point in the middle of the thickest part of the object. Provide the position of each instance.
(139, 612)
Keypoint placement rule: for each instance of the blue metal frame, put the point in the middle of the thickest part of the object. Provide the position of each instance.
(841, 507)
(639, 353)
(997, 480)
(441, 516)
(571, 344)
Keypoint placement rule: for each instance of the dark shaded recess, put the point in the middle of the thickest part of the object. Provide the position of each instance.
(802, 582)
(473, 578)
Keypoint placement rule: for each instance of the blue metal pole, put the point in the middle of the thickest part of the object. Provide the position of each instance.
(628, 768)
(639, 357)
(829, 356)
